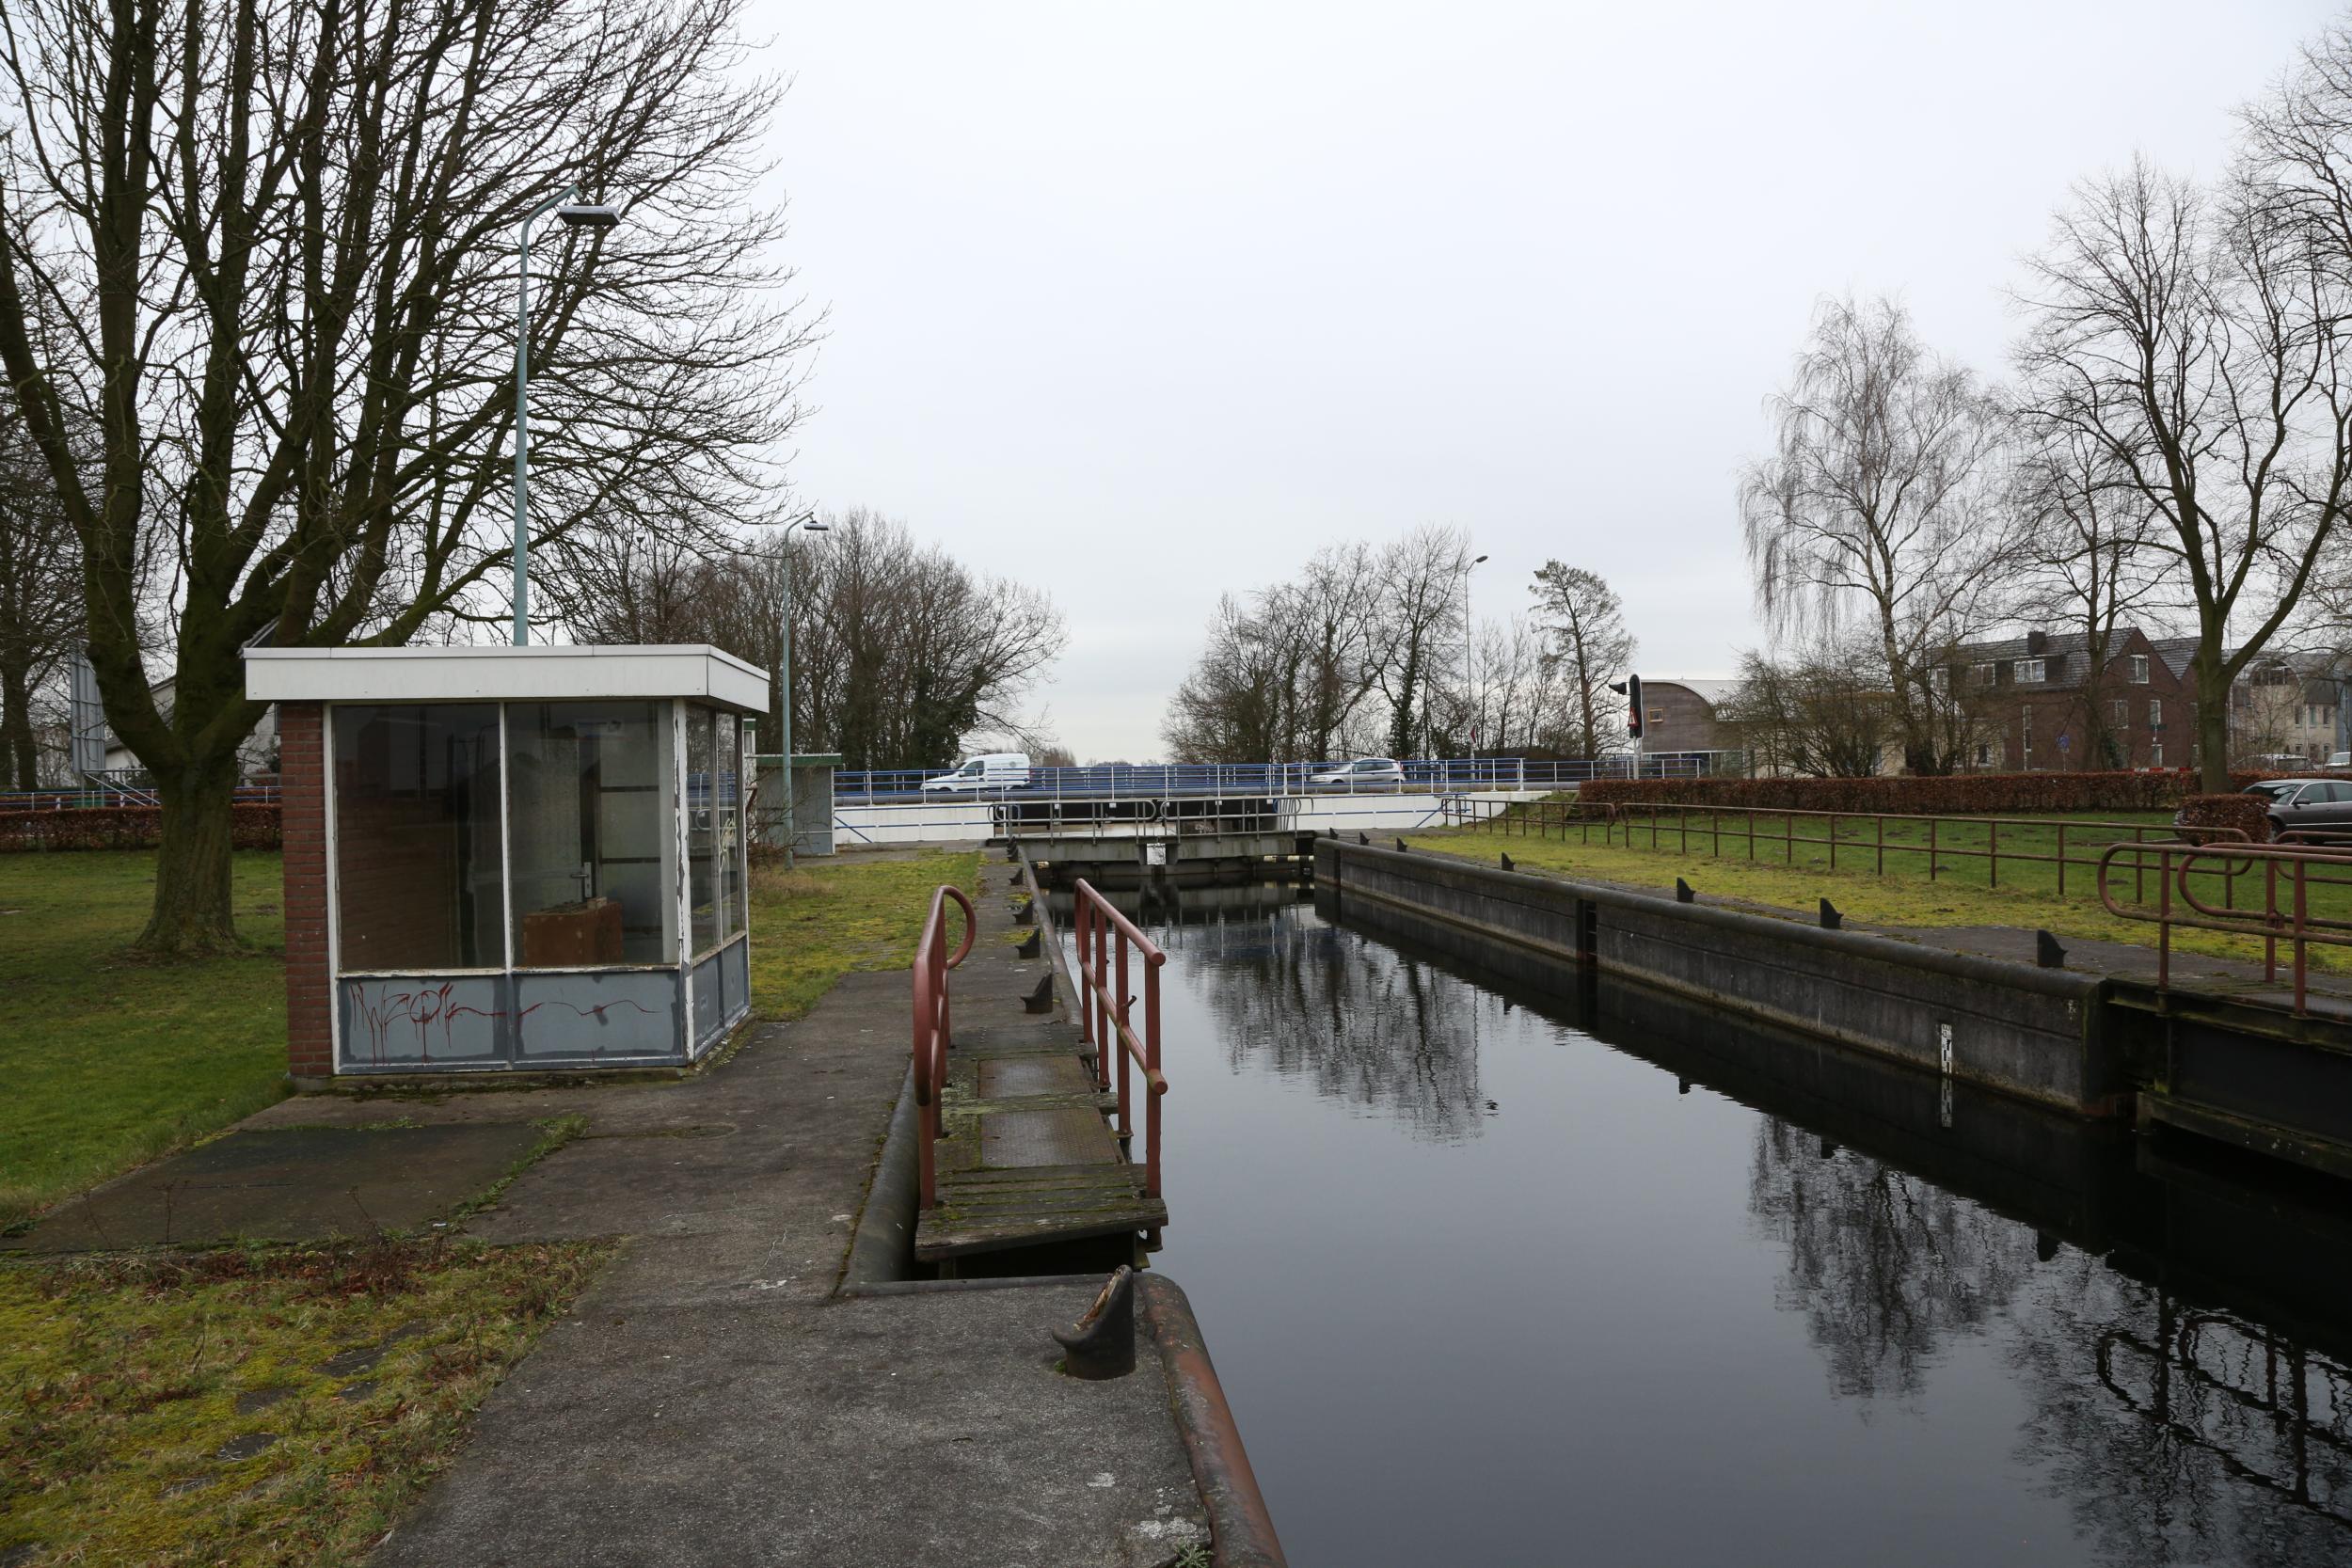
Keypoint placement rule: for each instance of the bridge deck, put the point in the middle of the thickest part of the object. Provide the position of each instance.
(1029, 1155)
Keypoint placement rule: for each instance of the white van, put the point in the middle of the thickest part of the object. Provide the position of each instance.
(992, 770)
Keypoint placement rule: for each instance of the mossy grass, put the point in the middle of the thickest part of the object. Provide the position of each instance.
(136, 1381)
(1959, 894)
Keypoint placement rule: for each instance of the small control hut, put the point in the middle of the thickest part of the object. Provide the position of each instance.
(505, 859)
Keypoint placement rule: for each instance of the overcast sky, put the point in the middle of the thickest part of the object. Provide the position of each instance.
(1143, 304)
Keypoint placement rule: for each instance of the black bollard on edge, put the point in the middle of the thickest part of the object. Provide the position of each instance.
(1101, 1344)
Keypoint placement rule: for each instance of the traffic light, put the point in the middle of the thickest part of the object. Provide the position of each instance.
(1630, 689)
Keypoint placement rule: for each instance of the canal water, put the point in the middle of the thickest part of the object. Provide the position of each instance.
(1487, 1284)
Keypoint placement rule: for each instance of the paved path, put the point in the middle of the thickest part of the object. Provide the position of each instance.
(712, 1401)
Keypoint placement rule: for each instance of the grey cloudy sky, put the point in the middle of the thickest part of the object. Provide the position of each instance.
(1143, 304)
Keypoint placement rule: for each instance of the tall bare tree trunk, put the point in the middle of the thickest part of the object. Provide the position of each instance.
(16, 727)
(192, 906)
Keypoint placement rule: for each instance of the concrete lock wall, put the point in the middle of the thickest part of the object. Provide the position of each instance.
(2036, 1034)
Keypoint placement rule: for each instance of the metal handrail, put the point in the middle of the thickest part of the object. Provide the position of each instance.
(2295, 925)
(933, 1030)
(1106, 1006)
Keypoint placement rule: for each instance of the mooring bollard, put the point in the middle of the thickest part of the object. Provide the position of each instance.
(1042, 999)
(1101, 1344)
(1831, 919)
(2047, 954)
(1684, 892)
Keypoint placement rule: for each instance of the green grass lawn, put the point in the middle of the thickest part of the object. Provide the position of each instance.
(1776, 866)
(109, 1062)
(182, 1411)
(813, 925)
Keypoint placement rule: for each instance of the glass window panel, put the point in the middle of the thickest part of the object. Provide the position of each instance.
(417, 863)
(589, 832)
(702, 832)
(728, 757)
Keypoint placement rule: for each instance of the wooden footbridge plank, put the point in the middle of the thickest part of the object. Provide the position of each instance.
(1025, 1153)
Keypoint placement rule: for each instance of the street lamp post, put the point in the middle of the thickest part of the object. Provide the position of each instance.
(791, 826)
(1467, 634)
(576, 213)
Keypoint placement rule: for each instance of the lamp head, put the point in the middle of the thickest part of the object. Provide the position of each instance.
(815, 527)
(589, 214)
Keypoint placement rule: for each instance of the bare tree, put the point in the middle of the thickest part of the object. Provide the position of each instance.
(1421, 616)
(1589, 645)
(2191, 341)
(281, 233)
(2090, 562)
(40, 596)
(1823, 713)
(1880, 505)
(901, 653)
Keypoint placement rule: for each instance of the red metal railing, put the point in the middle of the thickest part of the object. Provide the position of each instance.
(1105, 1009)
(933, 1033)
(2290, 873)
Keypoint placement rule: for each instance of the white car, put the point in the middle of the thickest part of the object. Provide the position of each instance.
(991, 770)
(1364, 772)
(2342, 759)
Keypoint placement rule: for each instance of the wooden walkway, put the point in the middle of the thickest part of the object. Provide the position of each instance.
(1029, 1155)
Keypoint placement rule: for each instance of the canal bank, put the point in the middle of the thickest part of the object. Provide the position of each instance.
(2089, 1043)
(1497, 1276)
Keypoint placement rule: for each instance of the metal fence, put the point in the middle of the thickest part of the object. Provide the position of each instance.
(1435, 775)
(1862, 838)
(2289, 873)
(115, 795)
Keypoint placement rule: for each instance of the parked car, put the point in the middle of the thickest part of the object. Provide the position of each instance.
(991, 770)
(2341, 759)
(1364, 773)
(2321, 805)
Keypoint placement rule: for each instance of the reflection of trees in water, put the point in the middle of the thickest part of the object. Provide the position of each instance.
(2175, 1435)
(2179, 1434)
(1359, 1020)
(1886, 1267)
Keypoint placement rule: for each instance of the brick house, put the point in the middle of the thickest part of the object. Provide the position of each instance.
(2031, 697)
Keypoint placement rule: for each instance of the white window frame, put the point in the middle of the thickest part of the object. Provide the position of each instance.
(2031, 672)
(2138, 666)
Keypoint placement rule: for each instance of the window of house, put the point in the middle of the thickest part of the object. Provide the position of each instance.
(2122, 713)
(417, 882)
(2155, 754)
(2029, 669)
(2024, 736)
(1984, 755)
(2156, 713)
(2138, 664)
(1982, 673)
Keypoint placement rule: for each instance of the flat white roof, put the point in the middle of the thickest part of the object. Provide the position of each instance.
(496, 673)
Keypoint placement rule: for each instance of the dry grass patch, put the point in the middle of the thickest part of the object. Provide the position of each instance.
(252, 1407)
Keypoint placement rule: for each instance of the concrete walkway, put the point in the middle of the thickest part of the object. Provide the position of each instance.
(713, 1401)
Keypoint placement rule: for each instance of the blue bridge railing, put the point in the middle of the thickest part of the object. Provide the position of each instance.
(1114, 780)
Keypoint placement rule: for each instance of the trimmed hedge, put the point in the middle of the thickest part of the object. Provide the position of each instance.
(2248, 813)
(1959, 794)
(254, 827)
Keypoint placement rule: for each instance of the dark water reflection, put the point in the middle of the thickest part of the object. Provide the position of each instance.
(1490, 1279)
